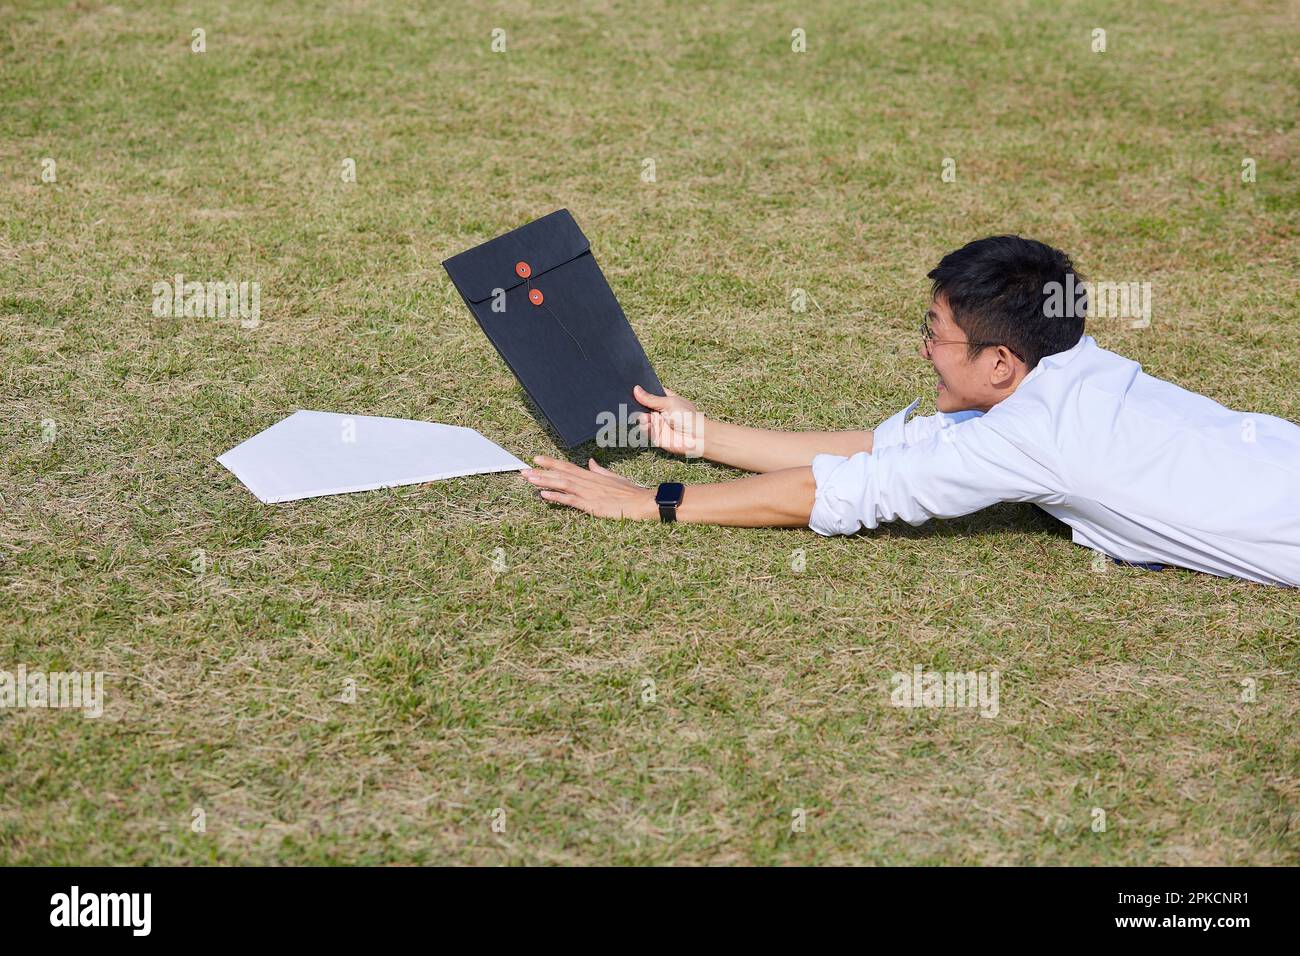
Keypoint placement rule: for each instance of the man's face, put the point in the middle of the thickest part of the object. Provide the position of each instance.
(964, 382)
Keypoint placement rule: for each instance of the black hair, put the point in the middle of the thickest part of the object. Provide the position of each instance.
(1001, 291)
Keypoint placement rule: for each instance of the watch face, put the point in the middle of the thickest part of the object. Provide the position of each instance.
(670, 493)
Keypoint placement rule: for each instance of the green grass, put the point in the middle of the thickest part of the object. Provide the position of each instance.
(522, 690)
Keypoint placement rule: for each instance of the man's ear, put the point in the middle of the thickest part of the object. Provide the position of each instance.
(1004, 368)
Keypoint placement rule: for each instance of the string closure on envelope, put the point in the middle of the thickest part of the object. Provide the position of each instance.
(528, 286)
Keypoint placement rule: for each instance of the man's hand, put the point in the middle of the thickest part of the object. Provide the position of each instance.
(595, 490)
(676, 424)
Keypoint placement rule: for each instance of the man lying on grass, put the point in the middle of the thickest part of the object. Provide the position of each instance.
(1030, 409)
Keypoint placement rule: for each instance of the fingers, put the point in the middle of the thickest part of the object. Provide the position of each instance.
(556, 464)
(594, 489)
(568, 477)
(555, 486)
(560, 498)
(656, 429)
(554, 480)
(664, 435)
(650, 401)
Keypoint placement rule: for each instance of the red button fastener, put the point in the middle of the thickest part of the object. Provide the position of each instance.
(535, 296)
(523, 270)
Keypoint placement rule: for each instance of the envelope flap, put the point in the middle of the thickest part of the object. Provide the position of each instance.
(543, 244)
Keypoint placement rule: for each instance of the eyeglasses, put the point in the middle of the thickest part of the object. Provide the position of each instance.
(928, 341)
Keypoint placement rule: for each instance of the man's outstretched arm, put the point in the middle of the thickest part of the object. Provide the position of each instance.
(769, 450)
(677, 426)
(782, 499)
(952, 472)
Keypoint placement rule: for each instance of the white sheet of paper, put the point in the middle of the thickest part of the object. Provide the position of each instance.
(310, 454)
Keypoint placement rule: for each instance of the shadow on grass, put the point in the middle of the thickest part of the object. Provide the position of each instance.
(1009, 516)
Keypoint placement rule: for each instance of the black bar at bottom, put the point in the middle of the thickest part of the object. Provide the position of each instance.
(341, 905)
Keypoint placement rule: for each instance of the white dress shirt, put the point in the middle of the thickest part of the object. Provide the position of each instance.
(1142, 470)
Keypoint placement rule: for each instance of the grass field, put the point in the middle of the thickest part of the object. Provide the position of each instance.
(229, 630)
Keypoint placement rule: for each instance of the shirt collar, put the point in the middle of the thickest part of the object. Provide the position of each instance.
(1058, 359)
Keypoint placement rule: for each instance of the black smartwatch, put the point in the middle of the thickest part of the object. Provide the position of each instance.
(668, 497)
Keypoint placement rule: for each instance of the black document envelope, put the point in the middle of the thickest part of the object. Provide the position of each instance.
(544, 303)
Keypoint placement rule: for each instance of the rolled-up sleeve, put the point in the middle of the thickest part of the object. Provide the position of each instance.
(958, 469)
(897, 429)
(893, 430)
